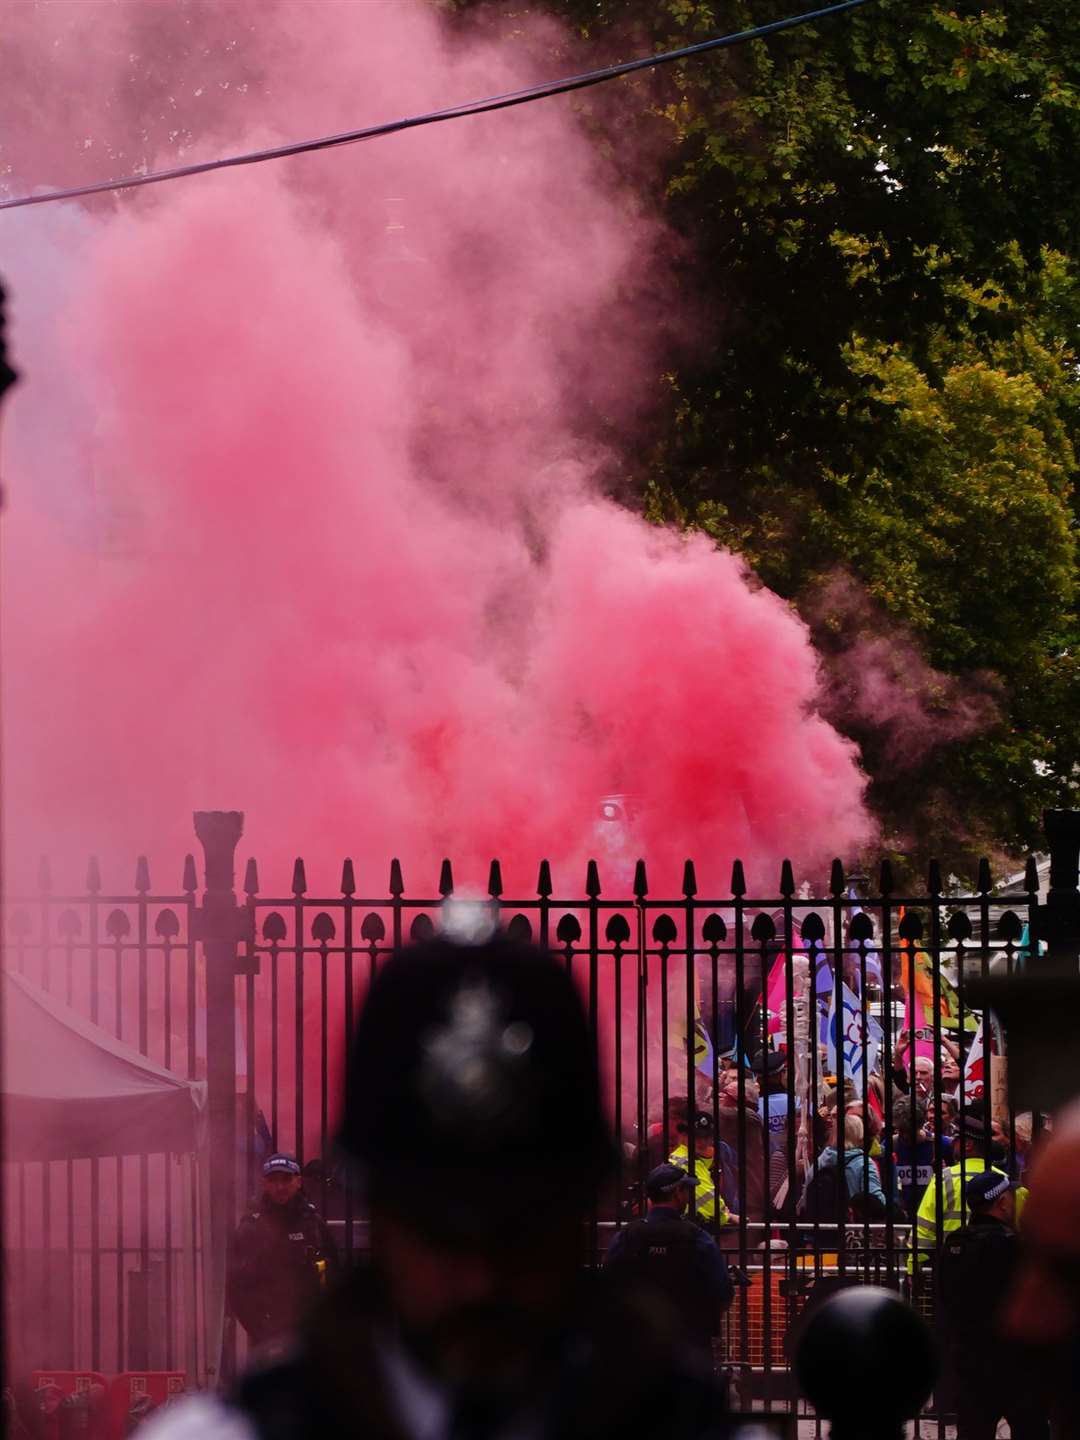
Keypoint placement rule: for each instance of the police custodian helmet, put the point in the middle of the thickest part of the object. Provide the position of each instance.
(473, 1071)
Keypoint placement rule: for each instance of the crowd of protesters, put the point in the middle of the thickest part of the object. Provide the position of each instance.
(769, 1130)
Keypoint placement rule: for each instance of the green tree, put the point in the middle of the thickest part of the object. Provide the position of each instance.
(882, 224)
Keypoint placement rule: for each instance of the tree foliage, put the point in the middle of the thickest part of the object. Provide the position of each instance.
(882, 226)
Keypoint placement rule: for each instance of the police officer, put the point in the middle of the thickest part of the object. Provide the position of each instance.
(709, 1204)
(282, 1256)
(675, 1259)
(973, 1142)
(474, 1120)
(991, 1375)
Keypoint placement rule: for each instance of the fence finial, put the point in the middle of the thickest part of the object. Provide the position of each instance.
(495, 884)
(837, 884)
(44, 875)
(985, 882)
(787, 880)
(446, 879)
(738, 880)
(689, 880)
(299, 877)
(641, 882)
(1031, 875)
(592, 880)
(348, 877)
(544, 886)
(933, 878)
(397, 883)
(93, 875)
(190, 882)
(142, 876)
(886, 884)
(251, 877)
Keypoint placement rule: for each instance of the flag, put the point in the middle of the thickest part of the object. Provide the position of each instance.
(821, 967)
(702, 1040)
(703, 1047)
(845, 1037)
(975, 1070)
(776, 995)
(975, 1064)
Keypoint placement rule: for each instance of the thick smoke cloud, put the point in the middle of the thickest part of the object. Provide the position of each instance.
(304, 511)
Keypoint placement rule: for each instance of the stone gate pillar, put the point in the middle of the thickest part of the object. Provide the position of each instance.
(1059, 917)
(1040, 1006)
(222, 926)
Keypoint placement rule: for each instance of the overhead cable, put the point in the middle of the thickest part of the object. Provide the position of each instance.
(434, 117)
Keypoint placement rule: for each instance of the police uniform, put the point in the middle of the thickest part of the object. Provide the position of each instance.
(952, 1205)
(990, 1376)
(281, 1258)
(924, 1239)
(709, 1203)
(668, 1255)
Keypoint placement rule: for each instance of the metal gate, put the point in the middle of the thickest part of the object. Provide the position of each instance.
(257, 993)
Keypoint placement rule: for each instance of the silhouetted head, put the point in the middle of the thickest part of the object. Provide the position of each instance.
(857, 1337)
(669, 1185)
(473, 1114)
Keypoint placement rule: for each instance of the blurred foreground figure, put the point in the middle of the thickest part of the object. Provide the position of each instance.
(993, 1377)
(282, 1256)
(473, 1114)
(1043, 1308)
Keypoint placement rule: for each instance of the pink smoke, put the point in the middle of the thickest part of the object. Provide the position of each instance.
(304, 517)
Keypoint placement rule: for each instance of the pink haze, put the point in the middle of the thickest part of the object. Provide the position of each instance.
(303, 520)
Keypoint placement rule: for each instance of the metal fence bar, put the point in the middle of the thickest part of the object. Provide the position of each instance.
(160, 1003)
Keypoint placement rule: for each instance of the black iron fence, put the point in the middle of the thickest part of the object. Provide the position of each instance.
(770, 1037)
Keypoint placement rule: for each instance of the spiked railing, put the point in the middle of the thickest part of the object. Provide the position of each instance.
(674, 985)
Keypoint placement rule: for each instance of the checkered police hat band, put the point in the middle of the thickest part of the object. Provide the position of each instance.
(281, 1165)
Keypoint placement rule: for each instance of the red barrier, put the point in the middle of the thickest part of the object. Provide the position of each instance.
(138, 1393)
(71, 1402)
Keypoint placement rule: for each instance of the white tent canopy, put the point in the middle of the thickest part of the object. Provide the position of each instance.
(72, 1091)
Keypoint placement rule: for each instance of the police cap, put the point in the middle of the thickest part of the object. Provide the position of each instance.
(281, 1164)
(473, 1067)
(662, 1182)
(986, 1187)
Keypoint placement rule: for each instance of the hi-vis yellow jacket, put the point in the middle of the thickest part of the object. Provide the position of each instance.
(707, 1199)
(954, 1211)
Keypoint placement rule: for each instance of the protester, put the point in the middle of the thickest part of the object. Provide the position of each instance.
(770, 1066)
(912, 1156)
(744, 1136)
(473, 1116)
(823, 1199)
(282, 1256)
(991, 1377)
(676, 1259)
